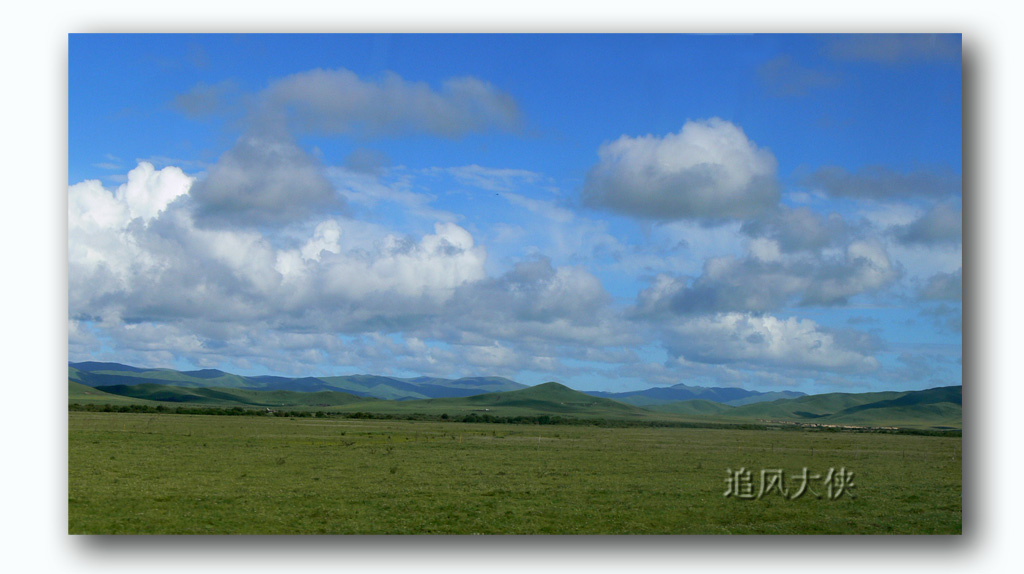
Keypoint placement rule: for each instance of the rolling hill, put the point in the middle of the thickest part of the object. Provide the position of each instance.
(231, 397)
(99, 383)
(937, 408)
(83, 394)
(95, 374)
(681, 392)
(544, 399)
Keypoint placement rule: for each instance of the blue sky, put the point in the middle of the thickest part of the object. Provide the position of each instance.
(610, 211)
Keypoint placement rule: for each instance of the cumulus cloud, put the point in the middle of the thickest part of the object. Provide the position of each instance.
(264, 181)
(328, 292)
(105, 256)
(145, 194)
(340, 102)
(430, 268)
(709, 170)
(882, 183)
(148, 191)
(942, 224)
(752, 339)
(169, 268)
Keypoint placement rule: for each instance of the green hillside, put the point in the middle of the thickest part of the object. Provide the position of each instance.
(232, 397)
(157, 376)
(692, 407)
(545, 399)
(86, 395)
(95, 374)
(181, 379)
(939, 408)
(811, 406)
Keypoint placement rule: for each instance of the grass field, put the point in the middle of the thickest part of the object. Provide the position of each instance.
(197, 474)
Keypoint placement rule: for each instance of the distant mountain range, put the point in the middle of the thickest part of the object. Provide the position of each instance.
(111, 383)
(725, 395)
(96, 374)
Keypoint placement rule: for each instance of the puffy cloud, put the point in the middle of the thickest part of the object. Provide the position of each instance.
(170, 269)
(884, 184)
(709, 170)
(146, 193)
(273, 296)
(944, 287)
(339, 102)
(263, 180)
(943, 223)
(750, 339)
(105, 256)
(429, 269)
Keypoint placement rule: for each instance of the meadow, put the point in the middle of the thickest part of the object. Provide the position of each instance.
(143, 473)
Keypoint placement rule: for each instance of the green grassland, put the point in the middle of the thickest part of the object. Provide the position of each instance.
(200, 474)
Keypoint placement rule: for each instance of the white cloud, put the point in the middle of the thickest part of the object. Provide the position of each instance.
(431, 268)
(104, 254)
(169, 268)
(709, 170)
(148, 191)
